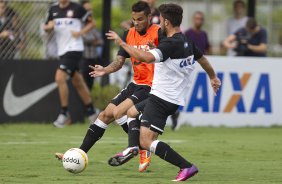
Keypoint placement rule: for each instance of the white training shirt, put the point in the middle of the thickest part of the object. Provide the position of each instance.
(175, 58)
(67, 20)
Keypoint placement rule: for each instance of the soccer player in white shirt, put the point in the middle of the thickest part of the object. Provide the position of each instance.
(67, 20)
(174, 57)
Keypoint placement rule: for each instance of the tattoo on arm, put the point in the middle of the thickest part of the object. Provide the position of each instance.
(116, 64)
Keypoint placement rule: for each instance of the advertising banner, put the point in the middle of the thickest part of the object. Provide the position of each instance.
(250, 94)
(29, 93)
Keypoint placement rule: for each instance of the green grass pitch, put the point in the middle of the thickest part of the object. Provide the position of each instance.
(223, 155)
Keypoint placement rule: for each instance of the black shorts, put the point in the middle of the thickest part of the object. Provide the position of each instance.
(136, 93)
(141, 105)
(156, 112)
(84, 65)
(69, 62)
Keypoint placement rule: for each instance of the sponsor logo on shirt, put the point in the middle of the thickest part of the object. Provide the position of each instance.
(70, 13)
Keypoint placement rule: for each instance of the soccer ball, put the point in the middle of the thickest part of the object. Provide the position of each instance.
(75, 160)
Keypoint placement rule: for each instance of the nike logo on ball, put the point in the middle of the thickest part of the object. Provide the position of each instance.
(15, 105)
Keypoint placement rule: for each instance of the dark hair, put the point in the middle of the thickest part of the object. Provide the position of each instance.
(239, 2)
(172, 12)
(251, 23)
(82, 2)
(141, 6)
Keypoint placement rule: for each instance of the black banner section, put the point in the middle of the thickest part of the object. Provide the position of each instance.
(28, 92)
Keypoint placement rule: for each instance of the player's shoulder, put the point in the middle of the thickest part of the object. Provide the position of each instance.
(75, 4)
(178, 37)
(155, 27)
(54, 5)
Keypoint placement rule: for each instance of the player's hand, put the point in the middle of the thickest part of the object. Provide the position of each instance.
(151, 45)
(4, 34)
(49, 27)
(111, 35)
(76, 34)
(215, 83)
(98, 71)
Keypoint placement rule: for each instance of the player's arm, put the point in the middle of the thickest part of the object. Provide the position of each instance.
(138, 54)
(87, 18)
(49, 24)
(215, 82)
(228, 42)
(205, 64)
(98, 70)
(88, 26)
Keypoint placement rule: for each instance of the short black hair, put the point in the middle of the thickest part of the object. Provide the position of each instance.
(239, 2)
(172, 12)
(141, 6)
(251, 23)
(82, 2)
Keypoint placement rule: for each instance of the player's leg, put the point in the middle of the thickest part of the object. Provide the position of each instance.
(96, 130)
(98, 127)
(120, 113)
(153, 123)
(61, 80)
(137, 95)
(174, 118)
(84, 69)
(64, 116)
(133, 115)
(84, 93)
(123, 103)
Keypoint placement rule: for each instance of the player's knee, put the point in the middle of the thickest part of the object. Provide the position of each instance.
(117, 114)
(105, 116)
(132, 112)
(75, 83)
(60, 79)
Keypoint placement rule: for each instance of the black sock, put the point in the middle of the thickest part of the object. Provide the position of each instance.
(90, 109)
(166, 153)
(133, 133)
(125, 127)
(93, 134)
(64, 110)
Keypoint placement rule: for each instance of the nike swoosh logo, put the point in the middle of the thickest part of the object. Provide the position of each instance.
(15, 105)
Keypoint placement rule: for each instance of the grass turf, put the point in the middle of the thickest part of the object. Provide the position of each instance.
(223, 155)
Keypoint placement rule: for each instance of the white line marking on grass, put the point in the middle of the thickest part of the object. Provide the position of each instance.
(23, 142)
(113, 141)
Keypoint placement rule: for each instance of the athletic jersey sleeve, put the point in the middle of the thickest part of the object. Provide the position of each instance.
(49, 16)
(163, 51)
(196, 51)
(121, 51)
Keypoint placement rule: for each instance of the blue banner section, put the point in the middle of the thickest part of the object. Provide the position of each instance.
(200, 98)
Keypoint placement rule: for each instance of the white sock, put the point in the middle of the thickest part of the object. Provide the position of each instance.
(153, 146)
(130, 119)
(100, 124)
(122, 120)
